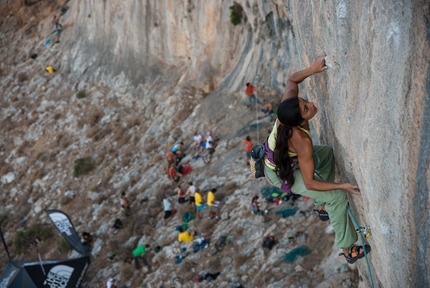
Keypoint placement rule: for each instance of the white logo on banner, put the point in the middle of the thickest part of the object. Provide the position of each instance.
(62, 222)
(5, 282)
(58, 276)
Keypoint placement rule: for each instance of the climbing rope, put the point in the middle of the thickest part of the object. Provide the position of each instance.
(358, 229)
(362, 243)
(256, 117)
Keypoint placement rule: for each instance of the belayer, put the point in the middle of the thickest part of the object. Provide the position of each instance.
(295, 161)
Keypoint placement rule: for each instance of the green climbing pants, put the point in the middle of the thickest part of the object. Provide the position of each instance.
(335, 201)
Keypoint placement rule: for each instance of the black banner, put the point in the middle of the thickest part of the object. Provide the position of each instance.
(59, 274)
(65, 226)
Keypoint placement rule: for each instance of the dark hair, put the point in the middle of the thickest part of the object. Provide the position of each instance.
(123, 194)
(247, 84)
(190, 183)
(248, 138)
(254, 198)
(182, 143)
(290, 116)
(180, 229)
(213, 190)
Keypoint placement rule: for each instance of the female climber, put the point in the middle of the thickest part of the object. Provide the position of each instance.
(295, 165)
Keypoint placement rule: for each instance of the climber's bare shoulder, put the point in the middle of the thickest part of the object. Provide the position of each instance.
(300, 142)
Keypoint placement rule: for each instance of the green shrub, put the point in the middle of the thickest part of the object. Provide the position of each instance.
(63, 246)
(235, 17)
(26, 237)
(82, 166)
(80, 94)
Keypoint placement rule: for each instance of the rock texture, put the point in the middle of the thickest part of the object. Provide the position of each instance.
(154, 72)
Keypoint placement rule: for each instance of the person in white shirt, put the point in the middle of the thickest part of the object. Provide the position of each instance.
(167, 208)
(190, 192)
(197, 140)
(109, 283)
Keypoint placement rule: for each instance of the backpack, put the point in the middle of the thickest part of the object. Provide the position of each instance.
(257, 160)
(187, 169)
(268, 242)
(188, 216)
(222, 242)
(118, 224)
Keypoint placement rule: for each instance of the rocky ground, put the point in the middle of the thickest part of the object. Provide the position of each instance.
(44, 128)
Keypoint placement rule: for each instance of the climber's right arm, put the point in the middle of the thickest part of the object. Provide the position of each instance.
(292, 85)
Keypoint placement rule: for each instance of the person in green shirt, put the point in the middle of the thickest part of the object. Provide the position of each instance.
(138, 254)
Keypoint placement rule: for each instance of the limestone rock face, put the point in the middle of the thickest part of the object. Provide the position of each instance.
(154, 72)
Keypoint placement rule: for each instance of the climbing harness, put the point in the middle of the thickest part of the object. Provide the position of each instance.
(366, 235)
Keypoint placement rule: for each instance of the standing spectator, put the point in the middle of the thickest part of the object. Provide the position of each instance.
(57, 23)
(181, 195)
(190, 193)
(199, 202)
(167, 208)
(212, 204)
(249, 91)
(248, 147)
(197, 140)
(138, 255)
(124, 204)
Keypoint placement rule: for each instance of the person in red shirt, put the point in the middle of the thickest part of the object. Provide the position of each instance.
(248, 147)
(249, 91)
(174, 175)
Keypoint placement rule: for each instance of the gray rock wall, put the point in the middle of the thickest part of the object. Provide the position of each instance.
(373, 100)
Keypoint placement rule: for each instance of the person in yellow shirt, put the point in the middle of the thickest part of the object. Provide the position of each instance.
(185, 236)
(213, 205)
(199, 202)
(49, 69)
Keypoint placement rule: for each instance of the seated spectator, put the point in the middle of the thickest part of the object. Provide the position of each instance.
(208, 142)
(174, 175)
(185, 236)
(138, 254)
(267, 109)
(181, 195)
(256, 210)
(213, 205)
(197, 140)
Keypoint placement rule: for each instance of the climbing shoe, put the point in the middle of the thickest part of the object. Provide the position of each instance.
(322, 214)
(355, 253)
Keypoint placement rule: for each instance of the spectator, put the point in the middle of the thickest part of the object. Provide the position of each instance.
(208, 142)
(248, 148)
(199, 203)
(267, 109)
(197, 140)
(138, 254)
(190, 193)
(174, 175)
(181, 195)
(171, 159)
(256, 209)
(109, 283)
(249, 91)
(124, 204)
(213, 205)
(185, 236)
(167, 208)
